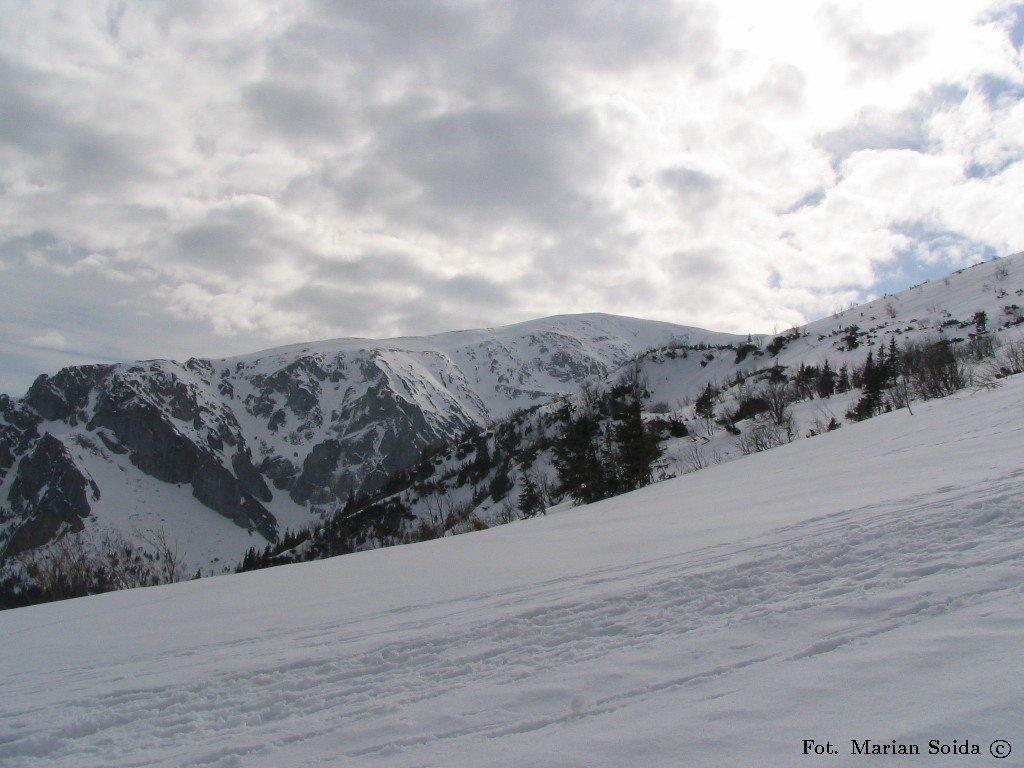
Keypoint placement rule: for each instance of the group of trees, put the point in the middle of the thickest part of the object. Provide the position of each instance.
(893, 376)
(604, 447)
(77, 564)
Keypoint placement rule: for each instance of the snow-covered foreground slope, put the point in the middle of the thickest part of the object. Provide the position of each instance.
(865, 584)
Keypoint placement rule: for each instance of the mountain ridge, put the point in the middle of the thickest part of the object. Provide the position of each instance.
(270, 440)
(228, 454)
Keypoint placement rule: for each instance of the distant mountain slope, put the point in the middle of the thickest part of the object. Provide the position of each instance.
(217, 452)
(220, 456)
(759, 391)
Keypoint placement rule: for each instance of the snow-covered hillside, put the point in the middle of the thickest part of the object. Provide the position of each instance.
(222, 455)
(216, 457)
(861, 585)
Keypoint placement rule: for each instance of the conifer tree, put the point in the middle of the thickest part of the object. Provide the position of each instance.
(826, 381)
(705, 407)
(636, 447)
(843, 382)
(576, 456)
(531, 503)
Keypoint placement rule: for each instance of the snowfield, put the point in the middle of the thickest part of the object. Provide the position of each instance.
(861, 585)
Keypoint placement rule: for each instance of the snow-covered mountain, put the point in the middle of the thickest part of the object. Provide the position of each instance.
(858, 591)
(222, 455)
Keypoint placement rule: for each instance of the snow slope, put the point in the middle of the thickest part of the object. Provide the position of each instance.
(864, 584)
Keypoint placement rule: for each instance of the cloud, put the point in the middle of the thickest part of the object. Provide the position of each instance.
(698, 191)
(870, 53)
(186, 178)
(295, 112)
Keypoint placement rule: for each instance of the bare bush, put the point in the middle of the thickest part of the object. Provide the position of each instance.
(464, 519)
(778, 395)
(1011, 356)
(824, 421)
(169, 563)
(63, 570)
(75, 565)
(1008, 360)
(690, 458)
(936, 369)
(761, 436)
(507, 512)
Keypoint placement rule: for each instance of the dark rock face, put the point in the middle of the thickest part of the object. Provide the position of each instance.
(218, 489)
(18, 432)
(48, 493)
(157, 445)
(157, 414)
(65, 396)
(314, 484)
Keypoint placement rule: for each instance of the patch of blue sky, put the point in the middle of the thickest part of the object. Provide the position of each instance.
(931, 253)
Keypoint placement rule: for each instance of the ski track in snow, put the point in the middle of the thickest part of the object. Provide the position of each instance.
(519, 662)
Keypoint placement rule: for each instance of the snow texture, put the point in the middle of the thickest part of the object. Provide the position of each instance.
(863, 584)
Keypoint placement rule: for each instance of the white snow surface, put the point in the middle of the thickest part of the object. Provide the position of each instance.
(863, 584)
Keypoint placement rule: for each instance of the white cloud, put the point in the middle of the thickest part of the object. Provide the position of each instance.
(215, 177)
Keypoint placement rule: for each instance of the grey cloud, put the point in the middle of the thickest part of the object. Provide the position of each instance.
(524, 162)
(903, 129)
(371, 267)
(615, 35)
(297, 111)
(383, 293)
(701, 265)
(26, 120)
(41, 249)
(976, 170)
(104, 163)
(874, 132)
(872, 54)
(463, 115)
(98, 320)
(81, 157)
(697, 190)
(783, 88)
(603, 34)
(473, 290)
(230, 241)
(505, 129)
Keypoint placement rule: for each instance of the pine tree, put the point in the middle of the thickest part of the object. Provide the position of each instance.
(875, 375)
(826, 381)
(531, 503)
(577, 457)
(843, 382)
(636, 447)
(893, 362)
(705, 407)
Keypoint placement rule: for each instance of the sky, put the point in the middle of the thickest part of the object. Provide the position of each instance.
(212, 177)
